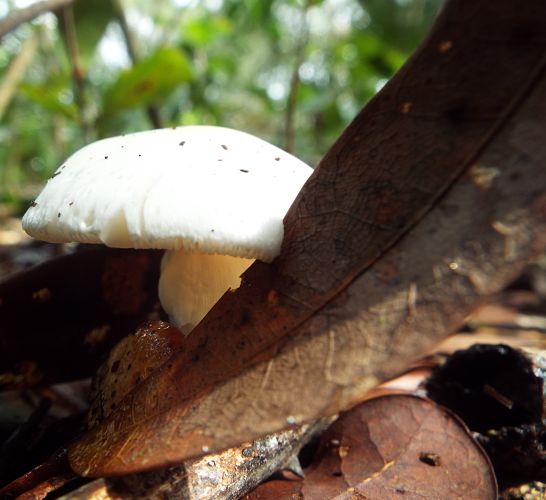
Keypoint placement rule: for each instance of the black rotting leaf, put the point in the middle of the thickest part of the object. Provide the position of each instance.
(498, 391)
(518, 453)
(489, 386)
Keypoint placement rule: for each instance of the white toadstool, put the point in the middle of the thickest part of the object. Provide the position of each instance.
(213, 197)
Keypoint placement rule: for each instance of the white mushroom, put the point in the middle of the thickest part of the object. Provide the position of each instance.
(213, 197)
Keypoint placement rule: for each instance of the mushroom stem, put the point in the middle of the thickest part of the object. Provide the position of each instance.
(191, 283)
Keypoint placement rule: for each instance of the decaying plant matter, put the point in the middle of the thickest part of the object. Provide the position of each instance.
(452, 171)
(432, 199)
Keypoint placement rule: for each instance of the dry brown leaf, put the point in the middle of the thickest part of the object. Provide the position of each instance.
(272, 490)
(518, 339)
(229, 474)
(400, 446)
(393, 447)
(130, 362)
(59, 319)
(309, 334)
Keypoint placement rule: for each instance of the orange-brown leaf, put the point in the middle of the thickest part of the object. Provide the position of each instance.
(394, 447)
(130, 362)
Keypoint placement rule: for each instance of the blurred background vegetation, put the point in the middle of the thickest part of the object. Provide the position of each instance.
(294, 72)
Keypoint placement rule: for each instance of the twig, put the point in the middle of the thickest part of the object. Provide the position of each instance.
(289, 126)
(228, 474)
(291, 102)
(132, 50)
(78, 78)
(45, 478)
(130, 41)
(16, 71)
(11, 21)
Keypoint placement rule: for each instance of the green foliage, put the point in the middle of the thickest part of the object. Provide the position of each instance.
(148, 82)
(52, 94)
(90, 21)
(223, 62)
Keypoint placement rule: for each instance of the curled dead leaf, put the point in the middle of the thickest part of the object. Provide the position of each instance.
(129, 363)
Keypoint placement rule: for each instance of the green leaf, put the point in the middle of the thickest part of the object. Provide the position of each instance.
(53, 94)
(149, 81)
(202, 31)
(91, 19)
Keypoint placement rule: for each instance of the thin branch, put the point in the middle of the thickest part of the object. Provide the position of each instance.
(291, 103)
(132, 50)
(69, 31)
(292, 99)
(130, 41)
(11, 21)
(16, 71)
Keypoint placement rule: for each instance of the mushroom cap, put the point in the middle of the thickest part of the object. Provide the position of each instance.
(201, 188)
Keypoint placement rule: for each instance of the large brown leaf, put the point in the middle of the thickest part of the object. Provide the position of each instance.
(408, 188)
